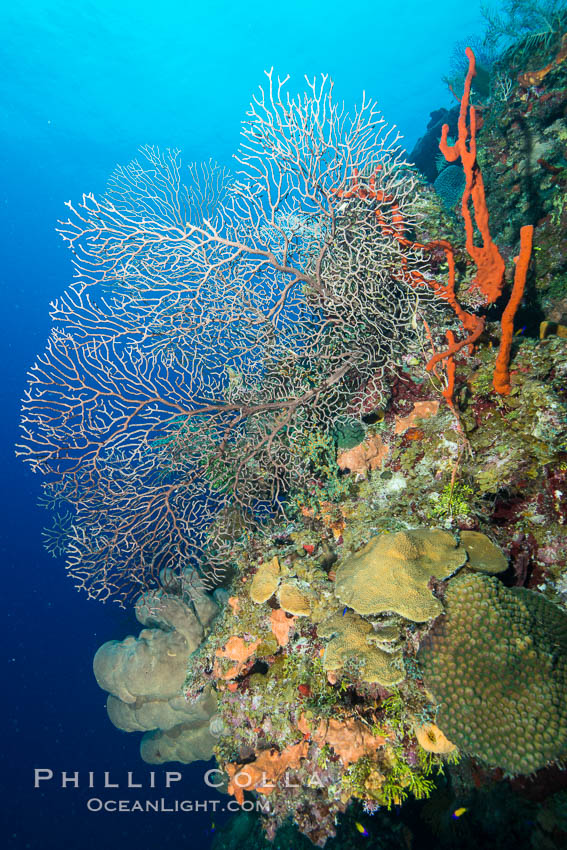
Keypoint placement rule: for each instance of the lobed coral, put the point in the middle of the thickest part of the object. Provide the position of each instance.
(354, 640)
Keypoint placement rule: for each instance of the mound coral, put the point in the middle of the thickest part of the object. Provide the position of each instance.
(392, 572)
(483, 555)
(186, 743)
(497, 666)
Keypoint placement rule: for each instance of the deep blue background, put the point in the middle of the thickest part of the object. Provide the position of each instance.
(83, 84)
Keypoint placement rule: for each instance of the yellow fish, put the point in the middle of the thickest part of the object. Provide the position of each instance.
(458, 812)
(361, 829)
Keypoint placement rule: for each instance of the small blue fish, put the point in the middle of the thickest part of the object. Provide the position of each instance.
(345, 609)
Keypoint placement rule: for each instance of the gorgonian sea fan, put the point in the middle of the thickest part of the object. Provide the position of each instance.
(214, 322)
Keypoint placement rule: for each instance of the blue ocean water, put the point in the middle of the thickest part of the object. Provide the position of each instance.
(82, 86)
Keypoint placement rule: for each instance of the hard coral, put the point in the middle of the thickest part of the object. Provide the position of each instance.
(483, 555)
(353, 639)
(497, 666)
(293, 600)
(187, 742)
(145, 675)
(392, 572)
(265, 582)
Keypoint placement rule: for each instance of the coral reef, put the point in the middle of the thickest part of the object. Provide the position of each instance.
(326, 701)
(346, 661)
(387, 457)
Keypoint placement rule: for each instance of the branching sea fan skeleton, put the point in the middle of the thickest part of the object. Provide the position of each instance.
(214, 321)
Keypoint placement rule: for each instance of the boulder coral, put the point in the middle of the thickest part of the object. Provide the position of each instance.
(186, 743)
(496, 664)
(150, 666)
(162, 714)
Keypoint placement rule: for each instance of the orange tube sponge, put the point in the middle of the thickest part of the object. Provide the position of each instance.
(490, 265)
(501, 377)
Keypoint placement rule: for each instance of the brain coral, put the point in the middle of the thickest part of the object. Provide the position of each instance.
(497, 666)
(392, 573)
